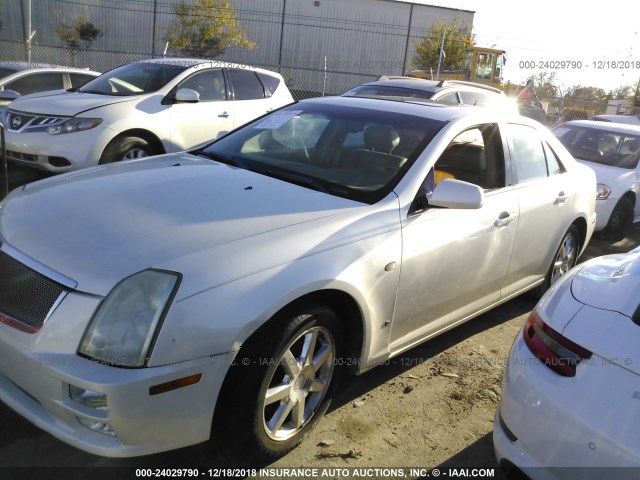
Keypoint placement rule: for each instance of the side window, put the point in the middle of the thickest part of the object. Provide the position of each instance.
(79, 79)
(36, 82)
(473, 98)
(475, 156)
(246, 85)
(449, 99)
(555, 167)
(527, 153)
(270, 83)
(209, 84)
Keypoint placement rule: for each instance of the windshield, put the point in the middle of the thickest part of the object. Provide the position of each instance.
(600, 146)
(356, 153)
(133, 79)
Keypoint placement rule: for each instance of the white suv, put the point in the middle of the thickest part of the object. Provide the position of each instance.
(140, 109)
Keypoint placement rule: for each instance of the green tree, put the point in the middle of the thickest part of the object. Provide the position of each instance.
(545, 84)
(587, 93)
(622, 92)
(428, 48)
(206, 29)
(77, 30)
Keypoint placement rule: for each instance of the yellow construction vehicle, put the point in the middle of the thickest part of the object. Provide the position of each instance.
(481, 65)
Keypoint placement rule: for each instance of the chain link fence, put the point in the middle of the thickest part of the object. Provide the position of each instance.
(303, 82)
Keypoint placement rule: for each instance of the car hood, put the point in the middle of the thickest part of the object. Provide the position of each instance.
(62, 102)
(606, 173)
(100, 225)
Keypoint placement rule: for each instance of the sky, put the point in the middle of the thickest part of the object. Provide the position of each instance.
(598, 41)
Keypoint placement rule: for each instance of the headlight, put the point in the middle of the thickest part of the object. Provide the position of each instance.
(603, 192)
(122, 329)
(74, 125)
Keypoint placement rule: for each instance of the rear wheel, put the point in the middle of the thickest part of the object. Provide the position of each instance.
(271, 405)
(564, 260)
(126, 148)
(620, 221)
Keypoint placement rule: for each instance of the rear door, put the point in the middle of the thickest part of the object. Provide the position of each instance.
(250, 97)
(545, 194)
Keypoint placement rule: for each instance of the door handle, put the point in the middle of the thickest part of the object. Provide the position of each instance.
(223, 115)
(561, 198)
(505, 219)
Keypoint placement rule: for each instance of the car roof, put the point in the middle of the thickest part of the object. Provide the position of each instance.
(192, 62)
(433, 86)
(412, 106)
(37, 67)
(606, 126)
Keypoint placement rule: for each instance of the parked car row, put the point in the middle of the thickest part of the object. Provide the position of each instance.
(218, 292)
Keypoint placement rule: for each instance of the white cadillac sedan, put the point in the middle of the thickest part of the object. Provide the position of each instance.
(219, 293)
(569, 406)
(612, 150)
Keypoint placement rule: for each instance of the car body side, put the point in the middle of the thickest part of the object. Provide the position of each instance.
(347, 254)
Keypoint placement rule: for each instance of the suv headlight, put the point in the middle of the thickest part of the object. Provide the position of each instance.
(74, 125)
(124, 325)
(603, 192)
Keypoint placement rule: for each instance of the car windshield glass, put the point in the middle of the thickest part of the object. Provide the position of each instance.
(606, 147)
(356, 153)
(388, 91)
(133, 79)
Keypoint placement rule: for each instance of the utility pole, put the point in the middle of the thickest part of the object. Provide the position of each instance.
(30, 33)
(444, 31)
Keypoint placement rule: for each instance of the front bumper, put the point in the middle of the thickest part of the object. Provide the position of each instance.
(37, 386)
(603, 212)
(58, 153)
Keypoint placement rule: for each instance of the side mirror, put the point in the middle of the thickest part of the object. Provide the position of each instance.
(451, 193)
(186, 95)
(8, 95)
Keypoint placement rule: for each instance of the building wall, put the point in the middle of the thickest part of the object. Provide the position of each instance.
(345, 37)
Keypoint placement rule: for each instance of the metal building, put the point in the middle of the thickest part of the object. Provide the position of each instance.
(319, 45)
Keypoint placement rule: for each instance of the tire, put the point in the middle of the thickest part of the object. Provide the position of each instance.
(620, 221)
(565, 259)
(268, 407)
(126, 148)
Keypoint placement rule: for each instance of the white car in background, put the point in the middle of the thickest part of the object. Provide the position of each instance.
(22, 78)
(571, 390)
(140, 109)
(612, 150)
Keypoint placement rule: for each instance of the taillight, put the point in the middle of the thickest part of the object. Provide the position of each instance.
(556, 352)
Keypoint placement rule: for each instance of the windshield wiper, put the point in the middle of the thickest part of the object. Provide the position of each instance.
(233, 161)
(98, 92)
(297, 179)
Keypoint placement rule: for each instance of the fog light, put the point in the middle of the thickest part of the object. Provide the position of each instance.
(99, 427)
(88, 398)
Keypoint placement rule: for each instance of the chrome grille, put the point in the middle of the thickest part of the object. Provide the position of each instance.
(26, 296)
(19, 121)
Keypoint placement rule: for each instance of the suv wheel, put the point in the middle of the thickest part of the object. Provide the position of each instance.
(126, 148)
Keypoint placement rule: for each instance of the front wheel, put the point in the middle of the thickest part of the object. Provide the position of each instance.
(564, 260)
(620, 221)
(280, 397)
(126, 148)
